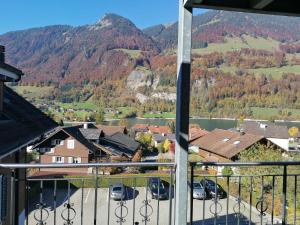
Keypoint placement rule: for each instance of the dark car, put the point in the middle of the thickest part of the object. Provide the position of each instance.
(211, 188)
(157, 188)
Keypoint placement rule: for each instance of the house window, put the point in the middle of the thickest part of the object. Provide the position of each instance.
(55, 142)
(57, 159)
(44, 149)
(71, 144)
(3, 197)
(74, 160)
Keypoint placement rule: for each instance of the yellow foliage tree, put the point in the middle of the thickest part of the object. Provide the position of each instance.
(293, 131)
(166, 145)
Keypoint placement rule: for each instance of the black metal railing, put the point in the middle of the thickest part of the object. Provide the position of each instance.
(240, 193)
(97, 199)
(244, 193)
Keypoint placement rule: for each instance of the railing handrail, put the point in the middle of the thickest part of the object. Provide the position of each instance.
(263, 163)
(80, 165)
(143, 164)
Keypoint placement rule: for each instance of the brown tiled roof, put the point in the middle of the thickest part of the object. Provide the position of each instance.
(110, 130)
(140, 126)
(22, 122)
(196, 132)
(266, 129)
(226, 143)
(159, 129)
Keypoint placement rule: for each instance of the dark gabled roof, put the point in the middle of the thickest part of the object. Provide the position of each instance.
(73, 131)
(120, 143)
(21, 122)
(161, 138)
(91, 134)
(265, 129)
(158, 137)
(226, 143)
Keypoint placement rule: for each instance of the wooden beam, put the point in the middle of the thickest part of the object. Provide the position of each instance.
(260, 4)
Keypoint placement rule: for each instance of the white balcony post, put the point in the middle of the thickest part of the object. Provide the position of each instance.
(182, 111)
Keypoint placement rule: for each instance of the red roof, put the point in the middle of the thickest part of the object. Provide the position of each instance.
(159, 129)
(196, 132)
(140, 126)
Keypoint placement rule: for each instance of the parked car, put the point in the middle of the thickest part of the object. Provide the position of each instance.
(198, 191)
(118, 192)
(157, 188)
(211, 188)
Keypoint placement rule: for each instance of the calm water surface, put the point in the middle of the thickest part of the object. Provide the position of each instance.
(207, 124)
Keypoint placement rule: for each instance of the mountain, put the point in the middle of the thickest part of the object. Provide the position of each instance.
(76, 54)
(68, 54)
(214, 26)
(242, 64)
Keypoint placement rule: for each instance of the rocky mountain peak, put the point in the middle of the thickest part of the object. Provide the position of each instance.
(111, 19)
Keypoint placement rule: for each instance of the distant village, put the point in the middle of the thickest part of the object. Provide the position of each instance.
(90, 143)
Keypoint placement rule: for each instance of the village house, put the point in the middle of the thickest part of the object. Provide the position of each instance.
(120, 146)
(151, 129)
(71, 145)
(22, 124)
(81, 144)
(276, 134)
(225, 145)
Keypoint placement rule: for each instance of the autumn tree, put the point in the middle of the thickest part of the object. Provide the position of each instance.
(293, 132)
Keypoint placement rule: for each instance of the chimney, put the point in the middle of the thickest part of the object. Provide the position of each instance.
(85, 126)
(2, 52)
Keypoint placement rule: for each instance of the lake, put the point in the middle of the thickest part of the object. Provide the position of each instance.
(207, 124)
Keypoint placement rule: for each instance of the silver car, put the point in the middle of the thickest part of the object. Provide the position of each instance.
(118, 192)
(198, 191)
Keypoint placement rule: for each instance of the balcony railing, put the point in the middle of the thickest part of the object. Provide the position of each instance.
(246, 193)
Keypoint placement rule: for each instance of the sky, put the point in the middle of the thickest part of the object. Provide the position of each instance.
(23, 14)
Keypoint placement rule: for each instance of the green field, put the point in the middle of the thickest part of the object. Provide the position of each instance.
(78, 105)
(266, 113)
(274, 72)
(238, 43)
(30, 92)
(132, 53)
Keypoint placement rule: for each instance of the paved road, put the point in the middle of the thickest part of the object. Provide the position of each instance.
(82, 201)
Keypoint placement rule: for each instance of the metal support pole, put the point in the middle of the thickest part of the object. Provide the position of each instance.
(192, 195)
(182, 111)
(284, 184)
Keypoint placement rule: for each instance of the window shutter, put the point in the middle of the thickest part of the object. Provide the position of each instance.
(79, 160)
(61, 142)
(53, 159)
(62, 159)
(70, 159)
